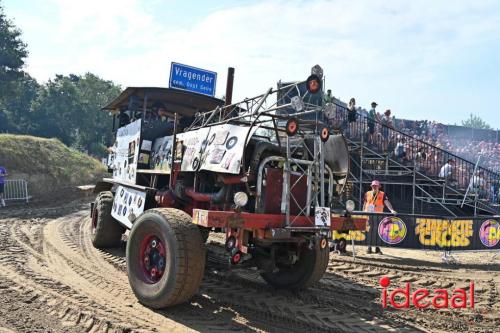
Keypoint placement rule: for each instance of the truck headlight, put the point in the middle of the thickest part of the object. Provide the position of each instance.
(240, 199)
(350, 206)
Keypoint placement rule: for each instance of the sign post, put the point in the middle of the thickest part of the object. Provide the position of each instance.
(192, 79)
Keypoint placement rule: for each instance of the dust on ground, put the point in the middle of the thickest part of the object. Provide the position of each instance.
(53, 280)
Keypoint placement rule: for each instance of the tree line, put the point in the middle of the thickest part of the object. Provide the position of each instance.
(67, 107)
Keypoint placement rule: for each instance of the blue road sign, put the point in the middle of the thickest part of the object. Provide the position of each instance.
(192, 79)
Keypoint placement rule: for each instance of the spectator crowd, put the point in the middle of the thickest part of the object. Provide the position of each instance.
(426, 145)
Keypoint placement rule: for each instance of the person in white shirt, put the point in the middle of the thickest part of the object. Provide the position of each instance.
(399, 150)
(477, 184)
(446, 171)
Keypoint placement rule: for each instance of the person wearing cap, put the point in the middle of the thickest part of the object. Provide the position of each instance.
(374, 202)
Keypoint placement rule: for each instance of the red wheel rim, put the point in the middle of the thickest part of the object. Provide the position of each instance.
(152, 258)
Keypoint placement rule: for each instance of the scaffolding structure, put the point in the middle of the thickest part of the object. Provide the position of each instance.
(414, 180)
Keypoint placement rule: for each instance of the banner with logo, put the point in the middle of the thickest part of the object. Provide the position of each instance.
(428, 232)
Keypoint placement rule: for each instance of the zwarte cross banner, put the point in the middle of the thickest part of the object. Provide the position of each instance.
(428, 232)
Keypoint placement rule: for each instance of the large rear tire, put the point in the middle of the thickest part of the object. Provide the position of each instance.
(105, 230)
(305, 272)
(165, 258)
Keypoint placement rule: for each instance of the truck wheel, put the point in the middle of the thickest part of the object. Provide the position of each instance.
(105, 230)
(306, 271)
(165, 258)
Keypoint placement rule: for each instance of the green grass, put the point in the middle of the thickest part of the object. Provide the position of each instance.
(49, 157)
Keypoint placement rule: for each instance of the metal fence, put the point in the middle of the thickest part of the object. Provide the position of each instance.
(16, 189)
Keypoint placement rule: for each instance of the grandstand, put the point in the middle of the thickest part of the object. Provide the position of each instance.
(412, 181)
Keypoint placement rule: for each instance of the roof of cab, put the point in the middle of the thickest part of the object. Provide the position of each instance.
(176, 101)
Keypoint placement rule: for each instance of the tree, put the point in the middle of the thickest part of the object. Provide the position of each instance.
(68, 108)
(17, 117)
(12, 54)
(475, 122)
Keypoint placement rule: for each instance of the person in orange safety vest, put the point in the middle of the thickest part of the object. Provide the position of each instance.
(374, 202)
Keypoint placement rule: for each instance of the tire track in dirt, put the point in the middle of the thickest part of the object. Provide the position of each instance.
(69, 264)
(109, 286)
(247, 292)
(250, 299)
(56, 276)
(359, 279)
(480, 319)
(54, 262)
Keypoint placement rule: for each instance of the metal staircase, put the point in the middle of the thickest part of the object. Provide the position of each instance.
(412, 184)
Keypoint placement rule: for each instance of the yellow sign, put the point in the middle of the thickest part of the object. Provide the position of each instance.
(443, 233)
(358, 235)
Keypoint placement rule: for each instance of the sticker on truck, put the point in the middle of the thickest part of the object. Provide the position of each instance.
(128, 204)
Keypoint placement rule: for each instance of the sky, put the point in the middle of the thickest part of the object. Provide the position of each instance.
(436, 60)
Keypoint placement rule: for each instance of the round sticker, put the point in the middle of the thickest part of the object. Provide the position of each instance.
(130, 200)
(139, 202)
(392, 230)
(231, 142)
(122, 192)
(489, 233)
(124, 210)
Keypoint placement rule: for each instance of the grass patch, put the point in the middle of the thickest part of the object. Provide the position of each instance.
(48, 157)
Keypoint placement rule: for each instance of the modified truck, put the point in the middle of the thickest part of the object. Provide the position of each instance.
(267, 172)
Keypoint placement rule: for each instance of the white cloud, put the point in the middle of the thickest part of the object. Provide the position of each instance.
(373, 50)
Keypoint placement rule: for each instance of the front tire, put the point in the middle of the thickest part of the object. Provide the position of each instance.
(165, 258)
(305, 272)
(105, 230)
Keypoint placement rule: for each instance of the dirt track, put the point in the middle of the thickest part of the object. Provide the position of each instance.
(52, 279)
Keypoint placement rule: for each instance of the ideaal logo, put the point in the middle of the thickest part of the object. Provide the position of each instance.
(489, 233)
(423, 298)
(392, 230)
